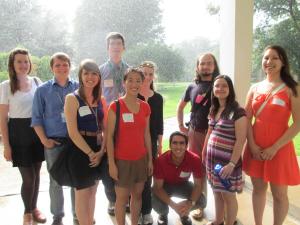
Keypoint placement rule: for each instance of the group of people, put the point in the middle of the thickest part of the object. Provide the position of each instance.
(110, 124)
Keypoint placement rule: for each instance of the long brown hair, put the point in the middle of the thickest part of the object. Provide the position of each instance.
(285, 73)
(14, 83)
(90, 66)
(215, 73)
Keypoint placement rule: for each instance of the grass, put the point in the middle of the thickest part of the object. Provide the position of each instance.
(173, 92)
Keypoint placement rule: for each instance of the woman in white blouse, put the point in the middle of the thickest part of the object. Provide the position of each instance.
(21, 145)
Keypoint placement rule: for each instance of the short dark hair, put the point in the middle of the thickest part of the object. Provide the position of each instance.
(178, 133)
(60, 55)
(133, 70)
(114, 36)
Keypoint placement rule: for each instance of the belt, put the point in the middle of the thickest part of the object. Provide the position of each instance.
(88, 133)
(59, 139)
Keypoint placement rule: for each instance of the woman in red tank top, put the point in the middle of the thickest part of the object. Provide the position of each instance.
(270, 155)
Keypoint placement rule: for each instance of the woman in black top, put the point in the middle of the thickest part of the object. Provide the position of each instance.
(155, 100)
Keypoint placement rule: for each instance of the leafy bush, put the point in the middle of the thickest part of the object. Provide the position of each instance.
(40, 67)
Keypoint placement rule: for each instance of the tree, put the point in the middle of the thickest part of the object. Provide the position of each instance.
(280, 25)
(169, 62)
(25, 23)
(138, 20)
(191, 49)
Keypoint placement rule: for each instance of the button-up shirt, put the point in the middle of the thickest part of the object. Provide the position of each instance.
(48, 107)
(112, 80)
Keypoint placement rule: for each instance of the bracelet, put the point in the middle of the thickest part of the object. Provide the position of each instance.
(89, 152)
(232, 164)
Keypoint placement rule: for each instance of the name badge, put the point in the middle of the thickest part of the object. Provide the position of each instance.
(84, 110)
(184, 174)
(127, 117)
(63, 117)
(278, 101)
(199, 98)
(108, 83)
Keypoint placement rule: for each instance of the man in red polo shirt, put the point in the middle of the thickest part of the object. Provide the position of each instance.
(172, 171)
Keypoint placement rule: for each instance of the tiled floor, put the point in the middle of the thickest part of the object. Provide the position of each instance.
(11, 207)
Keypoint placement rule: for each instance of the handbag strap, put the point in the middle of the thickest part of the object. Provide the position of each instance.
(262, 106)
(117, 120)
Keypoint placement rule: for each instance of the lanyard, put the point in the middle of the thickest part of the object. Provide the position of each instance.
(117, 74)
(95, 112)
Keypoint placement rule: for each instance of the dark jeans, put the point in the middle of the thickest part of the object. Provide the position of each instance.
(183, 190)
(108, 182)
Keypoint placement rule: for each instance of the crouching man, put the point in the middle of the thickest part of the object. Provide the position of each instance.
(172, 171)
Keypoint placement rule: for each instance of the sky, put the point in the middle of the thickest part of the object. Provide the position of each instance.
(183, 20)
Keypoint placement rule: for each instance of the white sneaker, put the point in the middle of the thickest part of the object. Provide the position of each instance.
(111, 208)
(147, 219)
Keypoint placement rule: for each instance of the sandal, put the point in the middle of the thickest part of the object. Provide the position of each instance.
(212, 223)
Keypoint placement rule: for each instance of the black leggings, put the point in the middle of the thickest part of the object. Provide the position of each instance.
(30, 186)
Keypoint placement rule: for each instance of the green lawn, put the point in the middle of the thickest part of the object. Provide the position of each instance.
(173, 92)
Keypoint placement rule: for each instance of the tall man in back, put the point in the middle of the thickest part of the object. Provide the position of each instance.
(112, 73)
(49, 123)
(199, 94)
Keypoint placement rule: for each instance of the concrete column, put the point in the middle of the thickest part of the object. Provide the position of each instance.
(236, 17)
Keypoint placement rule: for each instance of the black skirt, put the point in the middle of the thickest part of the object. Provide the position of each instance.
(25, 144)
(82, 175)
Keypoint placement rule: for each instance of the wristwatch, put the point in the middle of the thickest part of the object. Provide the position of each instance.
(193, 202)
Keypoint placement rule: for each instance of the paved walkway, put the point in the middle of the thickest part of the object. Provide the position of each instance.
(11, 207)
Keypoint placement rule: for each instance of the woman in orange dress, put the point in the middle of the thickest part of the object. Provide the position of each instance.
(270, 155)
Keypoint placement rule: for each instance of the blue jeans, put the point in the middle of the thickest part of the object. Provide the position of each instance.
(55, 190)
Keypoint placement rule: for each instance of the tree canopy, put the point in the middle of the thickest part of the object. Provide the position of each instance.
(280, 24)
(25, 23)
(138, 20)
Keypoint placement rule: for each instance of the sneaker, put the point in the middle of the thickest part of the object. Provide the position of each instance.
(162, 220)
(111, 208)
(185, 220)
(57, 221)
(147, 219)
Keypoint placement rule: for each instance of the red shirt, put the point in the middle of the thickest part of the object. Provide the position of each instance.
(166, 170)
(130, 144)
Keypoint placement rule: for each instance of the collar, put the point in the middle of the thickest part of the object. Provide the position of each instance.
(170, 161)
(69, 81)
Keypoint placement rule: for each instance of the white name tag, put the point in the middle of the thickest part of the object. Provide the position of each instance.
(108, 83)
(127, 117)
(184, 174)
(84, 110)
(278, 101)
(63, 118)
